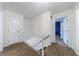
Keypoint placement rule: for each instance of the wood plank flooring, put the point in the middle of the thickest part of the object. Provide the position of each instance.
(58, 50)
(22, 49)
(18, 49)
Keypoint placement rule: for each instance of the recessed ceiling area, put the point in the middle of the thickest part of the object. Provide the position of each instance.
(33, 9)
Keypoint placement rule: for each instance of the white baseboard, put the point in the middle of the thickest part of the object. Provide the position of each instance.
(1, 49)
(11, 43)
(77, 53)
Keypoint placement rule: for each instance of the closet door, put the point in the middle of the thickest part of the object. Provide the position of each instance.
(13, 30)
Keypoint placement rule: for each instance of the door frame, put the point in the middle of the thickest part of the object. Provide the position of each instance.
(62, 23)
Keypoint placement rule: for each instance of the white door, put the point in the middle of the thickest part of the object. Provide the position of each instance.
(65, 30)
(13, 30)
(61, 30)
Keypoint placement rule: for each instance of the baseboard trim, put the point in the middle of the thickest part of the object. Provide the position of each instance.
(77, 52)
(1, 49)
(12, 43)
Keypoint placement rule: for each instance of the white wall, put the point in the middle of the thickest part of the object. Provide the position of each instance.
(27, 28)
(70, 14)
(76, 28)
(12, 27)
(41, 27)
(77, 31)
(1, 28)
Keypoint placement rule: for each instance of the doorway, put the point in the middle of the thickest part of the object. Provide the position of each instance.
(58, 27)
(61, 30)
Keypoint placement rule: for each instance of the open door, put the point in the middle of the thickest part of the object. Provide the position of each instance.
(65, 30)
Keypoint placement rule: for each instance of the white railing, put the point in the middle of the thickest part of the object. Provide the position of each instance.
(42, 41)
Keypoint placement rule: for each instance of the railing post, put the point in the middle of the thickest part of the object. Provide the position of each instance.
(42, 41)
(42, 48)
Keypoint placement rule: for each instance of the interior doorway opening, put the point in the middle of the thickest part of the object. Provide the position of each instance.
(57, 27)
(61, 30)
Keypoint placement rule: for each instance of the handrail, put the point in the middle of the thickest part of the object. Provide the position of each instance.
(42, 40)
(42, 43)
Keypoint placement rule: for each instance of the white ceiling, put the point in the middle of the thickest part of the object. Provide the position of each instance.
(33, 9)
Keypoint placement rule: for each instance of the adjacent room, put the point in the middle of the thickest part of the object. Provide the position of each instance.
(39, 28)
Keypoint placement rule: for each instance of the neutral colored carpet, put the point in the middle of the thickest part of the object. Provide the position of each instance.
(19, 49)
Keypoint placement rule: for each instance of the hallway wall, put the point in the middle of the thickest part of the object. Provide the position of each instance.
(76, 30)
(42, 26)
(27, 27)
(1, 27)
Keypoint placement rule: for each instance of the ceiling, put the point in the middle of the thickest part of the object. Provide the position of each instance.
(33, 9)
